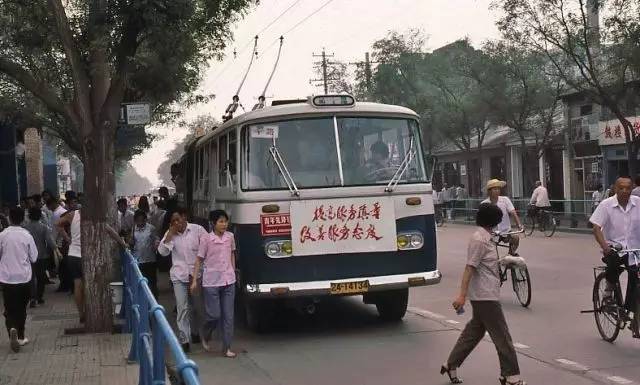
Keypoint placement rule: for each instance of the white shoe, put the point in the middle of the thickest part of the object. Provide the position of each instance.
(23, 342)
(13, 338)
(205, 345)
(511, 260)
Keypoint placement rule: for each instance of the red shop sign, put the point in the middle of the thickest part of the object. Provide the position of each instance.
(275, 224)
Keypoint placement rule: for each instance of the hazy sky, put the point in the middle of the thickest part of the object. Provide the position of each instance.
(346, 28)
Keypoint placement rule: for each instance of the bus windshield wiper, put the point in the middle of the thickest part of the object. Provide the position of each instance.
(402, 168)
(282, 168)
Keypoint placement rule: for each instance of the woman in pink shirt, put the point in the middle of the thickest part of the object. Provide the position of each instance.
(217, 253)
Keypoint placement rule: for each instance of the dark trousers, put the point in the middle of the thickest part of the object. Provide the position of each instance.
(16, 298)
(38, 278)
(487, 317)
(614, 263)
(66, 283)
(150, 271)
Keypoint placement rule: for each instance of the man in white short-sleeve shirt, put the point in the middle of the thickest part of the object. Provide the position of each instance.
(494, 188)
(616, 221)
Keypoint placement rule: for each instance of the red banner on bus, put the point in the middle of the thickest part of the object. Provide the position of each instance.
(275, 224)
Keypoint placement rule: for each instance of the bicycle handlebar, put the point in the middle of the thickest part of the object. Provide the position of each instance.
(508, 232)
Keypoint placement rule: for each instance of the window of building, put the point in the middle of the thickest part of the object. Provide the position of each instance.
(497, 168)
(586, 109)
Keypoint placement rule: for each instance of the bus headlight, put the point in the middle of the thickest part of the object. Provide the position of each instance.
(287, 247)
(403, 241)
(278, 249)
(410, 241)
(417, 240)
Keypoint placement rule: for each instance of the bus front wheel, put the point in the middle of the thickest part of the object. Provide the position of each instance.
(392, 304)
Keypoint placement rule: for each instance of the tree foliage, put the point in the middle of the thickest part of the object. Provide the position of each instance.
(591, 45)
(81, 59)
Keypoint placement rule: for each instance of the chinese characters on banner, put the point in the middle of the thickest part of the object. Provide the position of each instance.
(343, 226)
(275, 224)
(612, 132)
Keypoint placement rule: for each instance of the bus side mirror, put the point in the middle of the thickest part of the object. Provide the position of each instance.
(431, 163)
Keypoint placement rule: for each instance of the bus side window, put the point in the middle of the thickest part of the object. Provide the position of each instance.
(222, 158)
(232, 154)
(213, 147)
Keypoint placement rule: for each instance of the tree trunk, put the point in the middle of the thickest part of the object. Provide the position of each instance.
(97, 249)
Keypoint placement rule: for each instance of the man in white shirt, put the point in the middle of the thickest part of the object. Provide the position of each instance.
(596, 198)
(17, 252)
(616, 222)
(182, 241)
(494, 187)
(540, 197)
(125, 218)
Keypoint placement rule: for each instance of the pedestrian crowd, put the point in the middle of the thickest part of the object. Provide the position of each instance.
(40, 239)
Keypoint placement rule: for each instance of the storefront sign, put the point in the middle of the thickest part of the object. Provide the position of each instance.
(612, 131)
(334, 226)
(275, 224)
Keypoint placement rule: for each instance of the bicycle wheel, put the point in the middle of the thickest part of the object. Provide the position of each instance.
(605, 312)
(521, 284)
(550, 224)
(529, 224)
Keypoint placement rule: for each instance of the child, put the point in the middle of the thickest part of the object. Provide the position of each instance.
(145, 242)
(217, 252)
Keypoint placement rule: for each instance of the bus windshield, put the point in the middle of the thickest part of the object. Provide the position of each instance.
(371, 152)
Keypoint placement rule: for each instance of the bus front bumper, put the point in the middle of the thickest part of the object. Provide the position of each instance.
(320, 288)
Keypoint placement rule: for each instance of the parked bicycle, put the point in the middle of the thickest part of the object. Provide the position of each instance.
(520, 278)
(545, 220)
(609, 311)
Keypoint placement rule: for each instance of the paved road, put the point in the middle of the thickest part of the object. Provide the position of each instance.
(344, 343)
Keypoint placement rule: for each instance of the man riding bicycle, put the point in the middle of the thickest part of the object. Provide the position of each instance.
(494, 187)
(616, 221)
(539, 199)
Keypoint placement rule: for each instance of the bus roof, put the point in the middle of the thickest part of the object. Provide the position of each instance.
(297, 109)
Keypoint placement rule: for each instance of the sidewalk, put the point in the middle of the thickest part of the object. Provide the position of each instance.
(53, 358)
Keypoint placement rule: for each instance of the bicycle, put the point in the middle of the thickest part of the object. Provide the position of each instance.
(520, 278)
(609, 312)
(546, 220)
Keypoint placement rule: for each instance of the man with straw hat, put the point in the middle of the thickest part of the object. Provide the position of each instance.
(494, 187)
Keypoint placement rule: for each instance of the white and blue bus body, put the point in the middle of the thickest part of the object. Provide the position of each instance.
(316, 207)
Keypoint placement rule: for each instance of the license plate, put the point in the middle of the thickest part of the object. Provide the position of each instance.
(349, 287)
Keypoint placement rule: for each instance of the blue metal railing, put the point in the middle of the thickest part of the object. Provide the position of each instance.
(143, 315)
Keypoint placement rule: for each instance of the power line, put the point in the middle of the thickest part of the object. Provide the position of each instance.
(269, 25)
(244, 48)
(278, 39)
(299, 23)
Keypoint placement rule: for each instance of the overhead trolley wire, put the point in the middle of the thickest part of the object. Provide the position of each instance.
(248, 44)
(298, 24)
(270, 24)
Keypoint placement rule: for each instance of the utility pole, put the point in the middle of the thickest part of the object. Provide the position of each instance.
(367, 71)
(324, 64)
